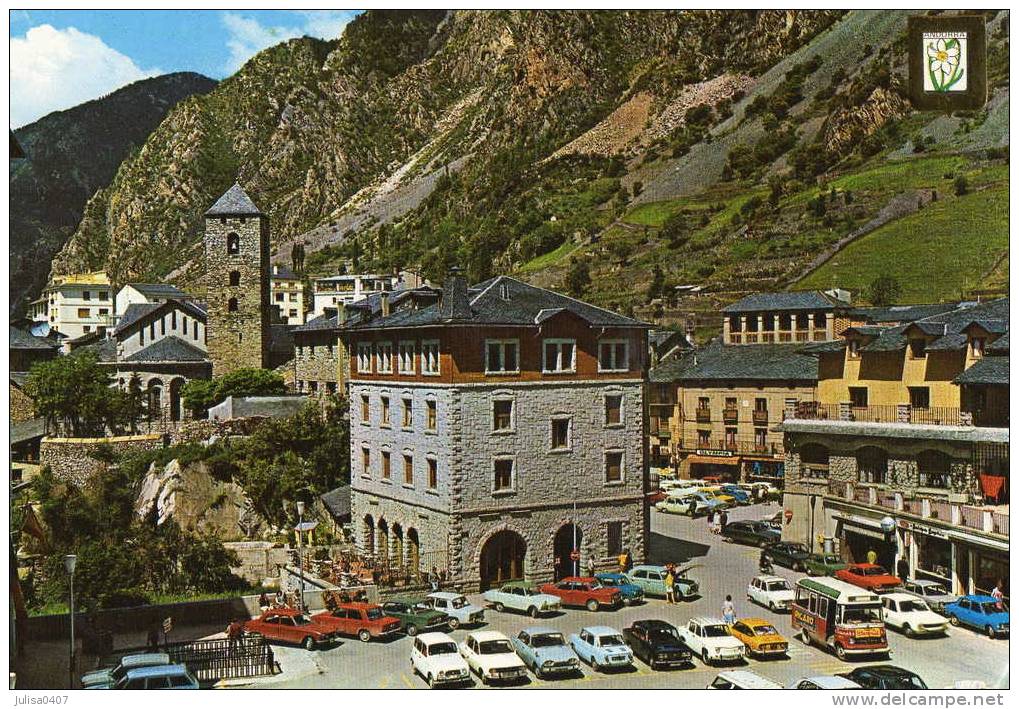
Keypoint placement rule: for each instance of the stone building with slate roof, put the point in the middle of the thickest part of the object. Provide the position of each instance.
(906, 451)
(492, 428)
(777, 318)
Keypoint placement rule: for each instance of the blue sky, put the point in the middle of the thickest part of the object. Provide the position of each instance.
(60, 58)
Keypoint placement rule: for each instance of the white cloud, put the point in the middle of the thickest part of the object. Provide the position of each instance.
(248, 36)
(55, 69)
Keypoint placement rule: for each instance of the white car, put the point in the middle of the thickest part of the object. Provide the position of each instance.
(771, 591)
(522, 596)
(742, 679)
(710, 639)
(678, 502)
(460, 610)
(679, 485)
(435, 657)
(491, 657)
(912, 615)
(823, 682)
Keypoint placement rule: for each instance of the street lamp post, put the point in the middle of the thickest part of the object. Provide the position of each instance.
(300, 547)
(70, 561)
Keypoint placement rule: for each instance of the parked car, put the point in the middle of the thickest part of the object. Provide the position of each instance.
(713, 493)
(741, 496)
(546, 652)
(789, 554)
(286, 625)
(688, 502)
(435, 658)
(829, 682)
(824, 564)
(932, 592)
(884, 677)
(415, 617)
(710, 639)
(657, 496)
(522, 596)
(742, 679)
(750, 532)
(365, 620)
(775, 520)
(106, 677)
(158, 677)
(762, 490)
(601, 647)
(869, 576)
(456, 606)
(651, 579)
(584, 591)
(491, 657)
(912, 615)
(760, 638)
(771, 591)
(631, 592)
(981, 613)
(657, 644)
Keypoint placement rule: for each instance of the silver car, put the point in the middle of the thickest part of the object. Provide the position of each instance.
(932, 592)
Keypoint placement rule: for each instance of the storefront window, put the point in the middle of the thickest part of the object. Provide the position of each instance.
(990, 569)
(933, 559)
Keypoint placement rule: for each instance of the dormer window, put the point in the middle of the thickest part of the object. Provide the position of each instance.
(918, 348)
(978, 344)
(854, 349)
(233, 244)
(560, 356)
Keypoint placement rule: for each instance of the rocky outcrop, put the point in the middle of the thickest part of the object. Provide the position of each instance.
(845, 127)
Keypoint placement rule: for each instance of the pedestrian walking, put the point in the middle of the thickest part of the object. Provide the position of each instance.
(670, 587)
(263, 601)
(629, 561)
(711, 520)
(590, 566)
(622, 562)
(433, 579)
(871, 557)
(234, 632)
(723, 518)
(998, 594)
(728, 611)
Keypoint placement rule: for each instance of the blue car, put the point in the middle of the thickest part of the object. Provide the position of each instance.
(980, 613)
(631, 592)
(545, 651)
(602, 648)
(739, 494)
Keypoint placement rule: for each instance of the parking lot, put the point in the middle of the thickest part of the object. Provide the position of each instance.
(722, 569)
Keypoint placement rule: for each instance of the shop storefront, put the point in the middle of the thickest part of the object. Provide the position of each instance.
(764, 469)
(857, 541)
(988, 569)
(714, 464)
(933, 555)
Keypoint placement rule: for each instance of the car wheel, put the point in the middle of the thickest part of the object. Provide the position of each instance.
(771, 606)
(364, 635)
(500, 607)
(840, 652)
(990, 632)
(797, 566)
(428, 679)
(954, 620)
(454, 623)
(412, 630)
(308, 643)
(704, 657)
(906, 630)
(592, 605)
(533, 611)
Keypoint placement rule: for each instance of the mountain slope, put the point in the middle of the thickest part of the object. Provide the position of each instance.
(71, 154)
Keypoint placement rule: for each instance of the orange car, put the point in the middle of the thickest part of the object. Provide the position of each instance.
(760, 637)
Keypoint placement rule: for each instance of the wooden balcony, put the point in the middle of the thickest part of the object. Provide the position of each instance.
(703, 415)
(760, 417)
(730, 415)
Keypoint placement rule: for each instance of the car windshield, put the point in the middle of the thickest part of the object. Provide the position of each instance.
(611, 640)
(494, 647)
(608, 582)
(374, 613)
(547, 640)
(910, 681)
(442, 649)
(911, 606)
(872, 571)
(458, 602)
(764, 630)
(661, 635)
(779, 586)
(529, 591)
(934, 590)
(861, 614)
(715, 631)
(301, 620)
(993, 607)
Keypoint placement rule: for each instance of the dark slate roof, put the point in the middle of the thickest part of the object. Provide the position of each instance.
(140, 311)
(890, 340)
(1000, 345)
(797, 300)
(485, 306)
(995, 327)
(134, 313)
(283, 273)
(158, 290)
(660, 338)
(317, 324)
(823, 347)
(928, 327)
(901, 313)
(169, 349)
(21, 340)
(865, 330)
(27, 430)
(925, 432)
(281, 340)
(105, 350)
(671, 369)
(989, 370)
(948, 343)
(741, 362)
(946, 324)
(234, 202)
(337, 502)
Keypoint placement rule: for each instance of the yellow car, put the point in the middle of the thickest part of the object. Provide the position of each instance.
(727, 500)
(760, 637)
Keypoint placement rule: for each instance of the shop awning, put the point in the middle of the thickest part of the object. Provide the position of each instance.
(848, 526)
(712, 460)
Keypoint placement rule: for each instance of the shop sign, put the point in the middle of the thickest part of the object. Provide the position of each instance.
(929, 531)
(707, 452)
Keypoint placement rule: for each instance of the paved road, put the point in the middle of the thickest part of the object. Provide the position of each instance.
(726, 568)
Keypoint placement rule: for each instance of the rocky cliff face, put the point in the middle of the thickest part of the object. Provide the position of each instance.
(315, 129)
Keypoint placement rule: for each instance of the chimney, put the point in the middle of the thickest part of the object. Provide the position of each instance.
(385, 304)
(453, 301)
(275, 269)
(341, 314)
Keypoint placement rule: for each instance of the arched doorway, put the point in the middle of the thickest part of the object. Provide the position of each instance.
(413, 552)
(368, 540)
(175, 399)
(382, 553)
(564, 544)
(155, 399)
(397, 562)
(502, 558)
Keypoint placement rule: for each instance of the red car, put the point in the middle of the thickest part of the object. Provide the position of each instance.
(286, 625)
(583, 591)
(869, 576)
(365, 620)
(657, 496)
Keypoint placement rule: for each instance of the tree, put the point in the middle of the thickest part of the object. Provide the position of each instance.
(74, 395)
(657, 287)
(674, 229)
(884, 290)
(136, 403)
(578, 278)
(201, 394)
(198, 396)
(961, 185)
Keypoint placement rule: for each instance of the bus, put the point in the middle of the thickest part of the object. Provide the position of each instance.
(839, 616)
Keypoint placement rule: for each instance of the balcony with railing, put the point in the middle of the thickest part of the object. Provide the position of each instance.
(760, 417)
(703, 414)
(730, 414)
(892, 413)
(659, 426)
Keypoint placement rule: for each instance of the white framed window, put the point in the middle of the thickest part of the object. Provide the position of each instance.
(613, 409)
(408, 413)
(384, 358)
(559, 355)
(430, 357)
(504, 475)
(613, 356)
(502, 356)
(561, 438)
(366, 461)
(364, 357)
(431, 415)
(406, 357)
(502, 414)
(614, 474)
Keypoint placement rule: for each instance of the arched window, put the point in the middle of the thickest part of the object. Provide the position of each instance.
(235, 278)
(231, 305)
(871, 464)
(233, 243)
(814, 461)
(935, 469)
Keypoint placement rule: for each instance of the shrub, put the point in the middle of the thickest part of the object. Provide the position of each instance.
(961, 185)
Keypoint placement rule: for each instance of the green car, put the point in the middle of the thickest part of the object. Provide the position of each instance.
(415, 618)
(824, 564)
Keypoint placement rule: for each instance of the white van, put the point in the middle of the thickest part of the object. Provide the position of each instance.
(742, 679)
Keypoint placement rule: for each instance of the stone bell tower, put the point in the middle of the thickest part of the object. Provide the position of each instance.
(237, 283)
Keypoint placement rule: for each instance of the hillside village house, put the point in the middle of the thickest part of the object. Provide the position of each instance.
(905, 451)
(493, 429)
(146, 293)
(332, 291)
(76, 304)
(286, 294)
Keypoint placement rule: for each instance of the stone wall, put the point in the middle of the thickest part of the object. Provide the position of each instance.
(258, 560)
(22, 406)
(70, 458)
(316, 360)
